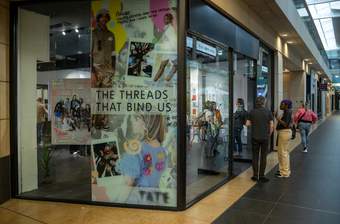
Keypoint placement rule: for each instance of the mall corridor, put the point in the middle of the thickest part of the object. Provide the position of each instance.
(152, 111)
(311, 195)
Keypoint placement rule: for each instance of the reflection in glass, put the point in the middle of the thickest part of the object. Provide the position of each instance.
(207, 117)
(244, 98)
(54, 83)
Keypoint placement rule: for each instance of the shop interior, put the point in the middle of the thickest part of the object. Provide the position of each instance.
(63, 170)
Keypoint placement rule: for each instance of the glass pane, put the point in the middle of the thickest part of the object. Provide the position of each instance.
(244, 97)
(207, 117)
(103, 76)
(54, 74)
(134, 43)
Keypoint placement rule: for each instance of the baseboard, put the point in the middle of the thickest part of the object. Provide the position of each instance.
(5, 181)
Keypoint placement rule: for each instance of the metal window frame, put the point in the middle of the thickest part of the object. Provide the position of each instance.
(183, 19)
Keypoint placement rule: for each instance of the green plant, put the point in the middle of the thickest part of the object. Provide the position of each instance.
(46, 160)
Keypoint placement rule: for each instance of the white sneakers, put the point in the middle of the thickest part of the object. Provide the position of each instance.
(305, 150)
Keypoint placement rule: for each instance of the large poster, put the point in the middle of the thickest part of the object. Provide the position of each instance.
(70, 112)
(134, 99)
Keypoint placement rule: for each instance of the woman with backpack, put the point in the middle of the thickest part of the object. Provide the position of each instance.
(304, 118)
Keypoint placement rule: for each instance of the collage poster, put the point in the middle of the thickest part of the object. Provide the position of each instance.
(71, 111)
(134, 101)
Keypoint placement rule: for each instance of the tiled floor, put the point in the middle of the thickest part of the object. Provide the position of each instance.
(275, 202)
(311, 195)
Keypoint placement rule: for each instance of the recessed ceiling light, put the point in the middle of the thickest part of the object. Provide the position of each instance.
(76, 29)
(64, 33)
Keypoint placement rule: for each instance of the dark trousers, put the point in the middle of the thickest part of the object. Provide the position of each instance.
(238, 139)
(260, 150)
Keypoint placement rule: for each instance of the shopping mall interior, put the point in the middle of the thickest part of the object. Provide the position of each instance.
(169, 111)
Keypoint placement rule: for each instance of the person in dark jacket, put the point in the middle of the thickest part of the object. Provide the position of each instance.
(262, 125)
(240, 118)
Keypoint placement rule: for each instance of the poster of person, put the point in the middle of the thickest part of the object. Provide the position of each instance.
(105, 157)
(138, 114)
(140, 59)
(71, 112)
(103, 51)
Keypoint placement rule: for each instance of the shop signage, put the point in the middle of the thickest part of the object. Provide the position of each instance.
(205, 48)
(189, 42)
(264, 69)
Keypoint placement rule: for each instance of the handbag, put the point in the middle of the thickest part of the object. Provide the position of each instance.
(293, 132)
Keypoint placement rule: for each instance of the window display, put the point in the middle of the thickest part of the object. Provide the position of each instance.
(134, 48)
(113, 117)
(119, 107)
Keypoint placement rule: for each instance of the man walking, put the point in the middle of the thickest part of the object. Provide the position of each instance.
(262, 125)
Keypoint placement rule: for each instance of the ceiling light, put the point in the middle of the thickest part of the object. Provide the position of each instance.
(284, 35)
(290, 42)
(76, 29)
(335, 5)
(64, 33)
(302, 12)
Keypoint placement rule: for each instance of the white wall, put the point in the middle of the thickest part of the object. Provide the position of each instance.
(45, 77)
(33, 38)
(294, 87)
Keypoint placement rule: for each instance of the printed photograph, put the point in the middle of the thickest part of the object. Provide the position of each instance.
(165, 67)
(106, 156)
(71, 112)
(140, 62)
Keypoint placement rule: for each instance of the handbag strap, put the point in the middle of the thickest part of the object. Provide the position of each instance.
(302, 116)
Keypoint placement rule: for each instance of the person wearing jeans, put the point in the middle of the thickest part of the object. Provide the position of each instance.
(304, 118)
(240, 118)
(284, 135)
(41, 114)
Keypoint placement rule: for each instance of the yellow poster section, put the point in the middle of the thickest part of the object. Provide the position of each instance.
(114, 7)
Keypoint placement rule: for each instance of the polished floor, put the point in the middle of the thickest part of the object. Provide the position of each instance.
(311, 195)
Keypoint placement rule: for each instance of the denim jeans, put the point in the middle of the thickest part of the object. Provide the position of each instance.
(40, 132)
(238, 139)
(304, 131)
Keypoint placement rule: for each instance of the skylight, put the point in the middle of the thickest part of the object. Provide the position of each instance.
(322, 12)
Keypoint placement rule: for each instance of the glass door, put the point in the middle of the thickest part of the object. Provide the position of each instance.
(244, 98)
(207, 116)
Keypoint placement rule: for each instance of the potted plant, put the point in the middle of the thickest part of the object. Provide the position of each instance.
(45, 163)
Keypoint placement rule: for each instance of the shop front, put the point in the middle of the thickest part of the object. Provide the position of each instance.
(130, 103)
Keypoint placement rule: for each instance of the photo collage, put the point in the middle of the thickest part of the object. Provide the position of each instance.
(134, 143)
